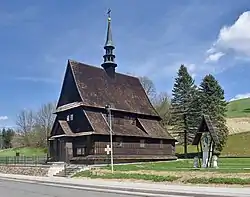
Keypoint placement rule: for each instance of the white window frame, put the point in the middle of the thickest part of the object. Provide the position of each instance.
(142, 143)
(81, 150)
(71, 117)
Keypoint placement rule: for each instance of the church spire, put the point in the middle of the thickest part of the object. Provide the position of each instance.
(109, 41)
(109, 58)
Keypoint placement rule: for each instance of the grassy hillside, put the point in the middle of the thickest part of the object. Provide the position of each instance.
(26, 151)
(237, 145)
(239, 108)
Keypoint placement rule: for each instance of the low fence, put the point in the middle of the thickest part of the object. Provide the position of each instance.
(24, 160)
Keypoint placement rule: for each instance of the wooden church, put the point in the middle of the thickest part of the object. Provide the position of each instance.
(81, 131)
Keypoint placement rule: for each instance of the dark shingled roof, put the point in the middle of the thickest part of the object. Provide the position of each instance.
(97, 89)
(206, 126)
(151, 128)
(67, 130)
(65, 127)
(68, 106)
(154, 129)
(99, 125)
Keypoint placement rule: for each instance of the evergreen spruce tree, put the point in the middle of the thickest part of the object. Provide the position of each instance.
(183, 108)
(213, 103)
(7, 136)
(3, 137)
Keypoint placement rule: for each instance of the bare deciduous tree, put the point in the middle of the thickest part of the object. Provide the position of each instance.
(160, 101)
(45, 117)
(162, 104)
(25, 123)
(34, 127)
(148, 86)
(44, 121)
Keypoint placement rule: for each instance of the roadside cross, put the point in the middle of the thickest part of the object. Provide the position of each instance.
(108, 149)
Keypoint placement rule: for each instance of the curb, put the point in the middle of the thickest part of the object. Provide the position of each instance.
(117, 189)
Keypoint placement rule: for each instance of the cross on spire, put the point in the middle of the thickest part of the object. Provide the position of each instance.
(109, 11)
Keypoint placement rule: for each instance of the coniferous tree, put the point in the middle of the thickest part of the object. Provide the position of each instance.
(183, 105)
(7, 137)
(213, 103)
(3, 137)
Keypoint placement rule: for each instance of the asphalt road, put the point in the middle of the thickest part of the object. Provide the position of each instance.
(19, 189)
(11, 188)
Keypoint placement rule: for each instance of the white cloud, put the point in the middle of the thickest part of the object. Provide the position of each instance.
(241, 96)
(214, 57)
(3, 117)
(36, 79)
(192, 69)
(234, 38)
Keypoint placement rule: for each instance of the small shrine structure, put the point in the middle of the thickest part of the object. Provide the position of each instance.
(206, 139)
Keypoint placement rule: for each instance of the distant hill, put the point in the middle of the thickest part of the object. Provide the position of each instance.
(239, 108)
(237, 146)
(238, 116)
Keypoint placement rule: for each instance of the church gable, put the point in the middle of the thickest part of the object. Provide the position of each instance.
(69, 92)
(206, 126)
(58, 128)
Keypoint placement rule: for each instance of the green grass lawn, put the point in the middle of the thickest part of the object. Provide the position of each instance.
(177, 171)
(151, 177)
(237, 145)
(232, 165)
(164, 178)
(239, 108)
(26, 151)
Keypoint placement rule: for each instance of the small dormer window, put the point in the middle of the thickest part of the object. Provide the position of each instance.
(70, 117)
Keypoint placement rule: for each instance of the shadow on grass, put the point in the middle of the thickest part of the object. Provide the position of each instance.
(247, 110)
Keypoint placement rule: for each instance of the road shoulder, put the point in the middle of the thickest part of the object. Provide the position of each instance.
(149, 188)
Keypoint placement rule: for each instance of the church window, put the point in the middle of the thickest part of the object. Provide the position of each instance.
(161, 143)
(70, 117)
(80, 151)
(142, 143)
(119, 141)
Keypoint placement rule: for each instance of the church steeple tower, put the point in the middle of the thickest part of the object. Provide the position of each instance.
(109, 58)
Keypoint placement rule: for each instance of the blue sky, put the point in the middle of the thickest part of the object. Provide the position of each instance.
(152, 38)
